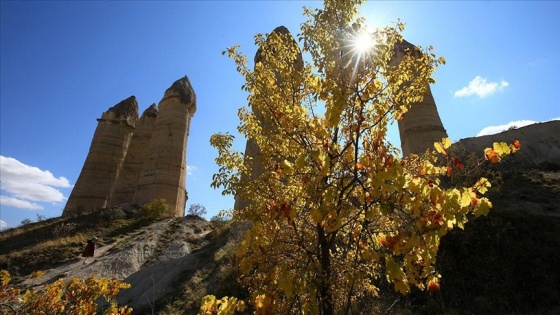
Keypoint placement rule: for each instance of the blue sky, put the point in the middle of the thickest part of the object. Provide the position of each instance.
(64, 63)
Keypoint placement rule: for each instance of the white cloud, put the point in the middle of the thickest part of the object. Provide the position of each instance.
(479, 86)
(490, 130)
(3, 225)
(191, 169)
(26, 183)
(18, 203)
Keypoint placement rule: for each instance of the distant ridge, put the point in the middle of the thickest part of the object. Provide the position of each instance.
(540, 144)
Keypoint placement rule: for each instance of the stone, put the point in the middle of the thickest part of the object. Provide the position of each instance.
(283, 31)
(251, 149)
(106, 154)
(163, 174)
(421, 126)
(127, 181)
(540, 145)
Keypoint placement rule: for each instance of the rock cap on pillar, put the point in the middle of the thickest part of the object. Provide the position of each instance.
(125, 112)
(183, 91)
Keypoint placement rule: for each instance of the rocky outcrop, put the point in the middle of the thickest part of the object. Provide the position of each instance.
(421, 125)
(251, 148)
(151, 259)
(127, 181)
(135, 160)
(164, 171)
(106, 154)
(540, 144)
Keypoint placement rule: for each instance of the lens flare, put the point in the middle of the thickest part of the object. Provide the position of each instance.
(363, 42)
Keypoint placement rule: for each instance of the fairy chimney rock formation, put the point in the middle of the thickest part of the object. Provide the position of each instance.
(125, 185)
(106, 154)
(421, 125)
(163, 174)
(251, 148)
(289, 40)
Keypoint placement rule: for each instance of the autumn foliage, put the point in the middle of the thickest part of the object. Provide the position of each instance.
(74, 296)
(335, 210)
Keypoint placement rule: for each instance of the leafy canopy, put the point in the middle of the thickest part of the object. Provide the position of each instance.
(333, 207)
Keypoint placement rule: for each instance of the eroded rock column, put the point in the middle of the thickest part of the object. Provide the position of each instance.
(421, 125)
(106, 154)
(251, 148)
(163, 174)
(127, 181)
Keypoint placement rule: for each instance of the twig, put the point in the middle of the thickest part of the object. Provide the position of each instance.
(392, 305)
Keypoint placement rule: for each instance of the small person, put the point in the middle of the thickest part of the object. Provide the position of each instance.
(90, 249)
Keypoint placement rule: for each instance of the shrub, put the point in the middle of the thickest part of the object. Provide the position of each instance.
(154, 209)
(63, 229)
(77, 296)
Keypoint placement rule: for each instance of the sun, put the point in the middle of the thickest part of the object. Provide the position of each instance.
(362, 43)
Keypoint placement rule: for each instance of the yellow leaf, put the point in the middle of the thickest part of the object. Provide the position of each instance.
(465, 199)
(483, 208)
(450, 223)
(246, 265)
(501, 148)
(285, 283)
(482, 185)
(439, 148)
(288, 167)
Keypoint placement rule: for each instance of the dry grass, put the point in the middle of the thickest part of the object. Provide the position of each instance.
(41, 246)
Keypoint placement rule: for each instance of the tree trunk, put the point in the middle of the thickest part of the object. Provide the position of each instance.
(326, 305)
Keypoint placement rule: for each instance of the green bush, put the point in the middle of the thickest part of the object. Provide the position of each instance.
(154, 209)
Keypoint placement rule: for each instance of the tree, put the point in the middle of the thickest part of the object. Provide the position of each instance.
(335, 210)
(25, 221)
(197, 209)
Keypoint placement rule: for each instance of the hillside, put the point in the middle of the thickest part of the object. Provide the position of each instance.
(505, 263)
(156, 258)
(540, 142)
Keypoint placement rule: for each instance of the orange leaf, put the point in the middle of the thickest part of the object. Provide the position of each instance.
(433, 286)
(457, 162)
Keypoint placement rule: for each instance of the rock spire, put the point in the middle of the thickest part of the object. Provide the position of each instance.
(163, 174)
(251, 148)
(421, 125)
(135, 160)
(125, 186)
(106, 154)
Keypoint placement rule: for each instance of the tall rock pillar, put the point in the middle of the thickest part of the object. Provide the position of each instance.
(125, 185)
(106, 154)
(421, 125)
(251, 148)
(163, 174)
